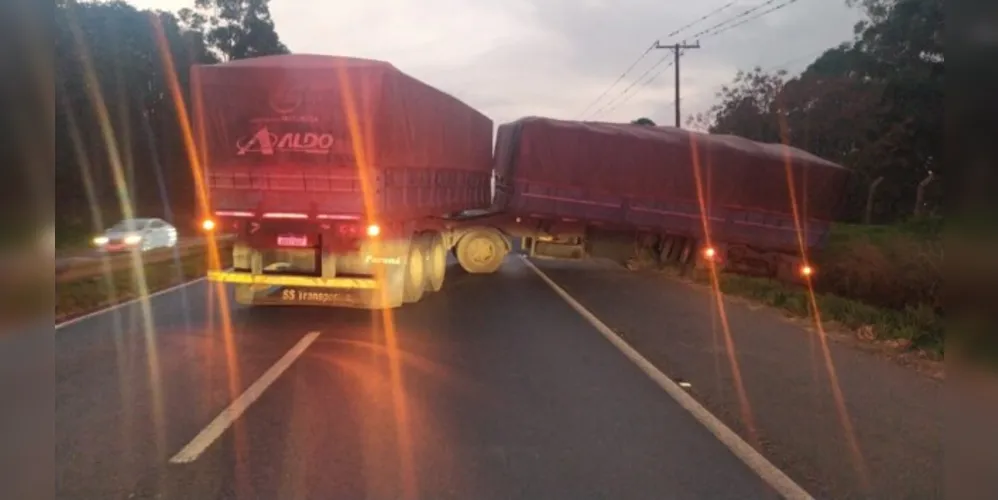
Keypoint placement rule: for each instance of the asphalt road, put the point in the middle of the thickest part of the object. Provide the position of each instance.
(500, 390)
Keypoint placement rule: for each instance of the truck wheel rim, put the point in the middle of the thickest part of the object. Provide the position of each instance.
(481, 250)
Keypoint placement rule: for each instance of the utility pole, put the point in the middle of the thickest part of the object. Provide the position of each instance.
(675, 48)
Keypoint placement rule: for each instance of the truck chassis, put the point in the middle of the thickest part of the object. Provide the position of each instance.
(385, 271)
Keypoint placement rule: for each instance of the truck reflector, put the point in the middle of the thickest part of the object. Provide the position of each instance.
(284, 215)
(337, 217)
(233, 213)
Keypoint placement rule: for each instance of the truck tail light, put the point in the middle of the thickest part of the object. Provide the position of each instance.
(208, 225)
(806, 270)
(710, 253)
(373, 230)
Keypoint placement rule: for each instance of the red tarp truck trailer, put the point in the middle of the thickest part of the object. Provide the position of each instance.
(331, 170)
(578, 179)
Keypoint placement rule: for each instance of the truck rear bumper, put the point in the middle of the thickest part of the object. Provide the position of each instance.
(244, 278)
(268, 289)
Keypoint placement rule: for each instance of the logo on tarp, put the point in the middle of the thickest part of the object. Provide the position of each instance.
(267, 143)
(286, 99)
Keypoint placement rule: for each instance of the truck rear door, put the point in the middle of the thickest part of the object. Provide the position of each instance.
(284, 142)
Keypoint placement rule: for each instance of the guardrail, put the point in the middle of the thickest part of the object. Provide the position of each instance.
(85, 267)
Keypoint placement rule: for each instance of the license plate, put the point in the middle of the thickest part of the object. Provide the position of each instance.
(292, 240)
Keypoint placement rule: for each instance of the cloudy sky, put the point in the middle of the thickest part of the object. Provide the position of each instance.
(511, 58)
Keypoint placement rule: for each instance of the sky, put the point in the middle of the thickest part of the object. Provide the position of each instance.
(514, 58)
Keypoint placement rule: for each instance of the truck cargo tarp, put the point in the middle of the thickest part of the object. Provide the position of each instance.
(623, 173)
(279, 123)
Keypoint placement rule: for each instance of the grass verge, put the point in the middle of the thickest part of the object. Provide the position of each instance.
(80, 296)
(884, 283)
(913, 328)
(892, 267)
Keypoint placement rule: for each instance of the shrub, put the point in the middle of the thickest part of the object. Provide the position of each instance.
(889, 266)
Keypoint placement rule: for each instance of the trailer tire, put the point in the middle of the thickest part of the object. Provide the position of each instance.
(414, 274)
(481, 251)
(687, 251)
(436, 261)
(665, 253)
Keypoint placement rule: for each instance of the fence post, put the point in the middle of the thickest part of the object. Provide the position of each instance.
(920, 193)
(869, 200)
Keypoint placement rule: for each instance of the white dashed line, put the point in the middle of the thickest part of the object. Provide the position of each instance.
(773, 476)
(224, 420)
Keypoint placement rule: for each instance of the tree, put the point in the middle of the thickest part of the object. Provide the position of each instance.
(874, 105)
(112, 77)
(644, 121)
(746, 107)
(235, 29)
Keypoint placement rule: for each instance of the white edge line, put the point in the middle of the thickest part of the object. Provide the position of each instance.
(126, 303)
(769, 473)
(129, 302)
(231, 413)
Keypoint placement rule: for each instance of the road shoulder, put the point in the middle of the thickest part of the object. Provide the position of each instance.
(782, 397)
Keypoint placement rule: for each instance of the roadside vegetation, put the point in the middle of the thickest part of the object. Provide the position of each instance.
(875, 106)
(98, 289)
(117, 66)
(882, 282)
(116, 61)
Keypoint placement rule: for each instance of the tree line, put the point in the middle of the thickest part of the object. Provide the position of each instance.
(117, 129)
(874, 105)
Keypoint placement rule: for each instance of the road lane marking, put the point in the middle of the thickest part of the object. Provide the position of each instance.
(224, 420)
(126, 303)
(129, 302)
(769, 473)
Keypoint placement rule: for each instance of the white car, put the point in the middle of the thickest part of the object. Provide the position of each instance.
(141, 234)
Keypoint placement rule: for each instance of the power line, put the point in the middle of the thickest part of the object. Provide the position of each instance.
(702, 19)
(616, 101)
(619, 78)
(730, 27)
(642, 56)
(649, 81)
(757, 16)
(715, 30)
(732, 19)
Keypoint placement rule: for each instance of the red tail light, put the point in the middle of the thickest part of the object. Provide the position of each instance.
(806, 271)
